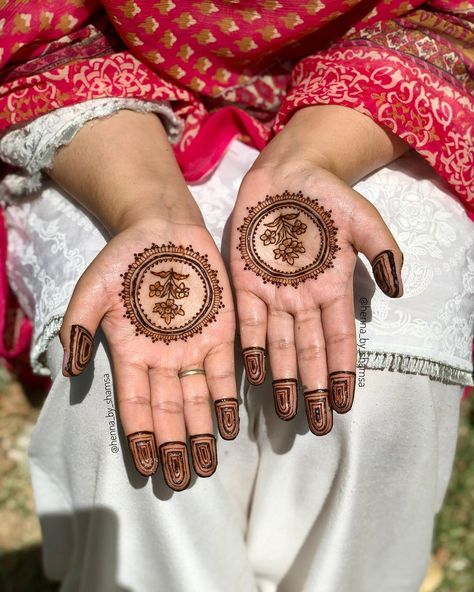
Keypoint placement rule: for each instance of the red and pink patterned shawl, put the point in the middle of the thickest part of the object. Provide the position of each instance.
(234, 68)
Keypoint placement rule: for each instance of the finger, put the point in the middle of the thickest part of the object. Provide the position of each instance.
(132, 390)
(86, 308)
(198, 419)
(168, 420)
(311, 352)
(339, 334)
(253, 329)
(282, 352)
(372, 237)
(220, 375)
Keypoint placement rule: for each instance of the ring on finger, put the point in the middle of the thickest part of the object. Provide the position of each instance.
(191, 372)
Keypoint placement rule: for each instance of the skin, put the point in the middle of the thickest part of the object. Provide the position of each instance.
(123, 171)
(311, 330)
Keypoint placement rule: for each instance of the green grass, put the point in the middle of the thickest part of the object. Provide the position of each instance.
(454, 535)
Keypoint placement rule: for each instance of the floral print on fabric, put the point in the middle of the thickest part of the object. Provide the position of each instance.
(238, 69)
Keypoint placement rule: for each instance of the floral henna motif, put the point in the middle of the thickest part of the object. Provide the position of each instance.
(284, 233)
(287, 239)
(171, 290)
(188, 293)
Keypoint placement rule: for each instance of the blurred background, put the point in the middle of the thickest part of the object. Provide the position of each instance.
(452, 566)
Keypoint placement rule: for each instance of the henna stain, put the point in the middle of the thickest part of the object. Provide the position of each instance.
(285, 397)
(284, 233)
(318, 411)
(204, 454)
(81, 348)
(385, 274)
(142, 447)
(187, 299)
(227, 414)
(175, 464)
(254, 362)
(341, 388)
(287, 239)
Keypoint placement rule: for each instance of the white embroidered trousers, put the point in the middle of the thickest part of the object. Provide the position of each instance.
(286, 511)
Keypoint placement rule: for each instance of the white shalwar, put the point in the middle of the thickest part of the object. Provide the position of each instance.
(286, 511)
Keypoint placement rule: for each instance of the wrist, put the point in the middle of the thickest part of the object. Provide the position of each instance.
(338, 139)
(145, 204)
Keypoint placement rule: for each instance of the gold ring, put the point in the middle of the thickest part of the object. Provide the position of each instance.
(190, 372)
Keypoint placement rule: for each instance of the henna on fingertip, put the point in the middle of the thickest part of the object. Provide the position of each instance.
(254, 362)
(227, 415)
(386, 274)
(204, 454)
(318, 411)
(285, 397)
(143, 449)
(341, 390)
(79, 354)
(175, 465)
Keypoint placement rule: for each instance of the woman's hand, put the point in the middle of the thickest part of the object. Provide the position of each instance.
(160, 292)
(296, 231)
(161, 295)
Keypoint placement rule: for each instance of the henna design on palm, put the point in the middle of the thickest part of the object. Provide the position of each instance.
(189, 295)
(287, 239)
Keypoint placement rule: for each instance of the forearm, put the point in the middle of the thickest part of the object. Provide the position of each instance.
(340, 139)
(123, 169)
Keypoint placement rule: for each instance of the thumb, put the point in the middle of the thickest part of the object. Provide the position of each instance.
(372, 237)
(83, 315)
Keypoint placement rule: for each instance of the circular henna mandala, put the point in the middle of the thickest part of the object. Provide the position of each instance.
(288, 239)
(170, 292)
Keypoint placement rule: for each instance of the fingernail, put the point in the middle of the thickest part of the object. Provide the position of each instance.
(318, 411)
(228, 421)
(341, 388)
(285, 397)
(175, 464)
(386, 275)
(204, 454)
(254, 361)
(143, 450)
(81, 348)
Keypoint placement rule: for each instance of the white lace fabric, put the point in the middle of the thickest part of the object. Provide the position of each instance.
(428, 331)
(32, 147)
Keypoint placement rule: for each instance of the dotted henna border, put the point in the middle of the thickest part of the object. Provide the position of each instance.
(201, 319)
(311, 271)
